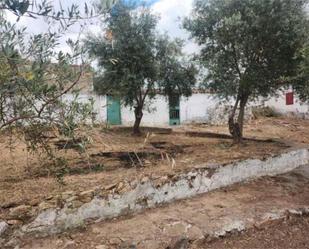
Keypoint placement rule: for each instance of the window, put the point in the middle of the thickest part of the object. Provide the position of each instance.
(289, 98)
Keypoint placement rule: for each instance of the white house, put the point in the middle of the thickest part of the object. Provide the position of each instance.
(199, 108)
(287, 103)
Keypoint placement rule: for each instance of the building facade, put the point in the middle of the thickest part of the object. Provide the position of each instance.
(201, 107)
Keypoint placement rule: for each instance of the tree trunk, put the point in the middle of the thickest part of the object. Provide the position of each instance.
(241, 115)
(236, 128)
(138, 111)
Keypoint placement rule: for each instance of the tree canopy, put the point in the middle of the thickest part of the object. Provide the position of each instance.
(34, 77)
(300, 83)
(136, 62)
(248, 47)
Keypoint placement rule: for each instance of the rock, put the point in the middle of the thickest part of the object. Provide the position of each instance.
(45, 205)
(20, 212)
(176, 229)
(182, 243)
(59, 242)
(120, 186)
(3, 227)
(123, 188)
(48, 198)
(86, 196)
(144, 179)
(34, 202)
(69, 244)
(42, 222)
(71, 199)
(134, 184)
(77, 204)
(194, 233)
(110, 187)
(171, 176)
(12, 243)
(164, 178)
(101, 247)
(66, 195)
(127, 246)
(15, 222)
(88, 193)
(115, 241)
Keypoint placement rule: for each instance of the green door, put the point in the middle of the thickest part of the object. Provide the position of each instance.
(174, 104)
(113, 111)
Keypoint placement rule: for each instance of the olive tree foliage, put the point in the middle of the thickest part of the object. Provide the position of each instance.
(248, 48)
(34, 77)
(136, 63)
(301, 82)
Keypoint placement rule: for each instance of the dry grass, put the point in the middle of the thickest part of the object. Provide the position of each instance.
(24, 179)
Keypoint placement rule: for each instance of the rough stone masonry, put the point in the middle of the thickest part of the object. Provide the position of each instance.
(149, 193)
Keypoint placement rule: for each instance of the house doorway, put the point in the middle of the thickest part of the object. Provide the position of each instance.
(174, 109)
(113, 110)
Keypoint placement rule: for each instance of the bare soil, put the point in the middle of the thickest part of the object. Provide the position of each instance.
(291, 233)
(280, 128)
(252, 204)
(114, 155)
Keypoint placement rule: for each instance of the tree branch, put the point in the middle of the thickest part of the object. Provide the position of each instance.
(38, 115)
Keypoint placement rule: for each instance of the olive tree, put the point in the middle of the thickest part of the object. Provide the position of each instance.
(136, 62)
(35, 76)
(300, 83)
(248, 47)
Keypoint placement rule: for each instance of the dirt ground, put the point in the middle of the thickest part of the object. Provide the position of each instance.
(115, 155)
(291, 233)
(245, 205)
(288, 129)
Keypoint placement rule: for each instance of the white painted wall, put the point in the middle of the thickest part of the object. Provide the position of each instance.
(100, 103)
(192, 109)
(298, 109)
(195, 109)
(156, 114)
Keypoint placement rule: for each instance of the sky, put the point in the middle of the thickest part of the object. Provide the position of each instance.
(170, 11)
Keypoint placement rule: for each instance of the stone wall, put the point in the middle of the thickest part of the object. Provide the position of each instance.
(124, 198)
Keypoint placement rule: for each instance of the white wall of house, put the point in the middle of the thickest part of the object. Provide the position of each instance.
(298, 109)
(155, 114)
(100, 103)
(195, 109)
(192, 109)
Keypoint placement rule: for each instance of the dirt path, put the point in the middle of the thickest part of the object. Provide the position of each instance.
(215, 213)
